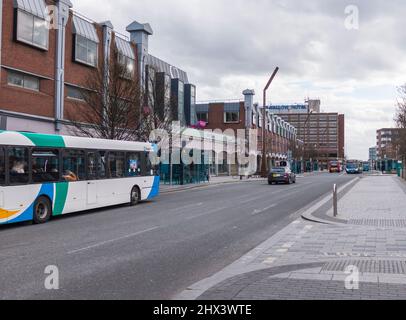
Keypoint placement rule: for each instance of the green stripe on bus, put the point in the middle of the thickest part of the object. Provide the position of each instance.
(61, 193)
(45, 140)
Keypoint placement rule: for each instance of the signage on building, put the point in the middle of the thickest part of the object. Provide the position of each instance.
(289, 108)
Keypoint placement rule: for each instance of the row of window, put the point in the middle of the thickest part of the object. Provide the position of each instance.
(34, 31)
(229, 117)
(22, 165)
(29, 82)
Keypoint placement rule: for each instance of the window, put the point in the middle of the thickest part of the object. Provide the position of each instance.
(92, 165)
(32, 30)
(74, 165)
(203, 116)
(134, 164)
(2, 167)
(231, 117)
(86, 51)
(102, 164)
(116, 164)
(74, 93)
(128, 64)
(45, 165)
(18, 165)
(22, 80)
(150, 169)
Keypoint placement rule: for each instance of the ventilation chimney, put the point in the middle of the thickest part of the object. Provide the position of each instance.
(249, 105)
(139, 34)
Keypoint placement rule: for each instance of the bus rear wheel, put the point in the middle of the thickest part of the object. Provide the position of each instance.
(135, 196)
(42, 210)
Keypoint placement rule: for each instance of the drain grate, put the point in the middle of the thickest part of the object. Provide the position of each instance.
(368, 266)
(381, 223)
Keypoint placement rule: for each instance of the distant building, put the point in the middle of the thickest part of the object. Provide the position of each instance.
(386, 150)
(242, 115)
(323, 135)
(372, 157)
(385, 142)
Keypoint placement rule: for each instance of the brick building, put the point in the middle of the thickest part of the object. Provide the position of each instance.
(243, 115)
(44, 66)
(387, 154)
(323, 133)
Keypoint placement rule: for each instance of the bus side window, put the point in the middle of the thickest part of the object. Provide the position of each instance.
(73, 165)
(150, 169)
(18, 165)
(92, 165)
(45, 165)
(102, 165)
(116, 164)
(2, 167)
(133, 164)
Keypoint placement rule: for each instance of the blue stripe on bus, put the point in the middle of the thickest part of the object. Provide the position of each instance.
(28, 214)
(155, 188)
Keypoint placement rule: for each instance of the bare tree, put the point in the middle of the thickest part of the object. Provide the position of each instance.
(400, 120)
(111, 106)
(158, 100)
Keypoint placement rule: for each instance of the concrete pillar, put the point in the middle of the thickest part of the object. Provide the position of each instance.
(62, 19)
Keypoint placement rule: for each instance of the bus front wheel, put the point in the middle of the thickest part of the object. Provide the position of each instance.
(42, 210)
(135, 196)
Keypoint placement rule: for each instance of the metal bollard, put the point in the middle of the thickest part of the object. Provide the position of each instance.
(335, 200)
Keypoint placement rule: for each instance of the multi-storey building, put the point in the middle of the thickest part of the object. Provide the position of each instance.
(323, 134)
(386, 149)
(385, 143)
(44, 65)
(372, 157)
(242, 115)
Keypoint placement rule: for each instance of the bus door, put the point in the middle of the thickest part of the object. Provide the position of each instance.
(91, 192)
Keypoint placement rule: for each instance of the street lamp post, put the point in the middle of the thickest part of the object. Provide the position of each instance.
(264, 169)
(305, 133)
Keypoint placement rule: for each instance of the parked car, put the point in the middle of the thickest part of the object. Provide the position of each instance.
(281, 175)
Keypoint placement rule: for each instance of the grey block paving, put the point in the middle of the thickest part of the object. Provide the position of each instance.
(308, 260)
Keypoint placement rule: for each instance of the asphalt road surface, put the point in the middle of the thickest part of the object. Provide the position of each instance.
(154, 250)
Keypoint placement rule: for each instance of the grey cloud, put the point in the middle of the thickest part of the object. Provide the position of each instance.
(215, 40)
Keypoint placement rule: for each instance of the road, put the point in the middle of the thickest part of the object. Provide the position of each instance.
(154, 250)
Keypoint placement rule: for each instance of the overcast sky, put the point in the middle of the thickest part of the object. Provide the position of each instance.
(227, 46)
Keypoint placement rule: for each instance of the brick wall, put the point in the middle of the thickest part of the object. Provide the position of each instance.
(30, 59)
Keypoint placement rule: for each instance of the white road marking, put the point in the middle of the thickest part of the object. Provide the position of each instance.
(258, 211)
(270, 260)
(193, 205)
(206, 213)
(288, 245)
(112, 240)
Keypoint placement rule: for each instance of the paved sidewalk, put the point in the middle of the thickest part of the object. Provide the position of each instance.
(309, 260)
(213, 181)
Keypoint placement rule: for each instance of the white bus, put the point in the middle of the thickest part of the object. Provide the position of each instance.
(42, 176)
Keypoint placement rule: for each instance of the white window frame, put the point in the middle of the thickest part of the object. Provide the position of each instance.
(225, 117)
(24, 79)
(87, 51)
(31, 43)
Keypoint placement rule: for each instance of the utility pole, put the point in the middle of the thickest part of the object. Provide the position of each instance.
(264, 164)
